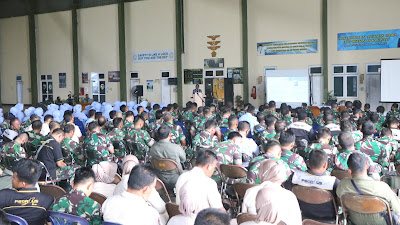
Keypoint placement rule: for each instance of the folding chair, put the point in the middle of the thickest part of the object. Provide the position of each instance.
(52, 190)
(240, 191)
(364, 204)
(245, 217)
(340, 174)
(58, 218)
(99, 198)
(164, 165)
(16, 219)
(160, 185)
(312, 195)
(172, 209)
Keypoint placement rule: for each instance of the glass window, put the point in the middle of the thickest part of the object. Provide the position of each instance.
(352, 86)
(134, 75)
(49, 77)
(338, 69)
(219, 73)
(43, 77)
(165, 74)
(373, 68)
(338, 86)
(351, 69)
(209, 73)
(316, 70)
(101, 76)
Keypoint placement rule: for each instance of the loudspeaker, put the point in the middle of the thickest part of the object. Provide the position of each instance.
(139, 90)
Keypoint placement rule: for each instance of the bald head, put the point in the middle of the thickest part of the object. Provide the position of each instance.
(22, 138)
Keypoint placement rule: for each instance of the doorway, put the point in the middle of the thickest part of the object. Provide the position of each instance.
(165, 92)
(19, 89)
(98, 87)
(214, 86)
(46, 83)
(373, 85)
(134, 83)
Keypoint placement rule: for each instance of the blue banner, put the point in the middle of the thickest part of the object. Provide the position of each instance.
(369, 40)
(287, 47)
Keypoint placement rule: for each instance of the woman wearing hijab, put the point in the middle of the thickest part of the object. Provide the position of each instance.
(105, 178)
(155, 200)
(285, 203)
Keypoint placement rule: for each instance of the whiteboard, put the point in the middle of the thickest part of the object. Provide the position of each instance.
(287, 86)
(390, 80)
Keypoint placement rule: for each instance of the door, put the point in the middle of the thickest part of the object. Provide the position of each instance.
(373, 90)
(19, 92)
(134, 83)
(209, 92)
(98, 87)
(165, 92)
(228, 85)
(46, 83)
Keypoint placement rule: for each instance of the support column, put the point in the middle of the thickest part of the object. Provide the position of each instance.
(245, 50)
(325, 46)
(122, 53)
(75, 53)
(179, 48)
(32, 52)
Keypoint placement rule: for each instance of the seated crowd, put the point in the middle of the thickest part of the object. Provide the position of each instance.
(128, 159)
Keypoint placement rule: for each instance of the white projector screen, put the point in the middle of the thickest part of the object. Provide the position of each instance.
(289, 86)
(390, 80)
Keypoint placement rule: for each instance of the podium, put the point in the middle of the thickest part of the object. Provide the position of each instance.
(199, 98)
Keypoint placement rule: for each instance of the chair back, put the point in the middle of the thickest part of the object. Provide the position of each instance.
(52, 190)
(165, 165)
(109, 223)
(340, 174)
(99, 198)
(245, 217)
(313, 222)
(58, 218)
(365, 204)
(233, 172)
(312, 195)
(161, 186)
(172, 209)
(241, 188)
(137, 149)
(16, 219)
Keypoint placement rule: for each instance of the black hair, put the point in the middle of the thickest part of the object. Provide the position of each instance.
(159, 114)
(260, 117)
(357, 104)
(57, 131)
(272, 104)
(243, 125)
(270, 120)
(92, 112)
(323, 133)
(140, 177)
(170, 107)
(395, 106)
(270, 145)
(117, 121)
(200, 110)
(232, 119)
(301, 114)
(328, 118)
(129, 114)
(380, 109)
(346, 140)
(348, 104)
(317, 159)
(367, 106)
(112, 114)
(344, 115)
(102, 121)
(163, 131)
(36, 125)
(53, 124)
(212, 216)
(98, 115)
(28, 170)
(138, 119)
(92, 126)
(34, 117)
(233, 135)
(68, 128)
(386, 132)
(206, 110)
(345, 126)
(156, 107)
(261, 108)
(368, 128)
(48, 117)
(67, 117)
(280, 126)
(84, 175)
(391, 120)
(374, 117)
(285, 111)
(210, 124)
(167, 117)
(286, 138)
(357, 110)
(122, 108)
(357, 163)
(205, 158)
(251, 109)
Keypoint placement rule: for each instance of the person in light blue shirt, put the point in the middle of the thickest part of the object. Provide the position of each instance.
(249, 117)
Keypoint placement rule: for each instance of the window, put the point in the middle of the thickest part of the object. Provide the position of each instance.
(164, 74)
(373, 68)
(345, 81)
(134, 75)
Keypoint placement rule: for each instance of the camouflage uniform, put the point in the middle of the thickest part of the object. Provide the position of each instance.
(127, 126)
(319, 120)
(136, 135)
(394, 113)
(374, 149)
(117, 135)
(35, 139)
(308, 121)
(366, 114)
(226, 134)
(274, 113)
(223, 123)
(336, 114)
(13, 150)
(72, 152)
(381, 117)
(152, 115)
(340, 162)
(266, 136)
(153, 127)
(254, 166)
(5, 125)
(288, 119)
(204, 140)
(187, 115)
(177, 133)
(76, 203)
(309, 112)
(357, 136)
(110, 125)
(330, 150)
(295, 161)
(98, 145)
(227, 153)
(392, 146)
(175, 115)
(378, 127)
(25, 125)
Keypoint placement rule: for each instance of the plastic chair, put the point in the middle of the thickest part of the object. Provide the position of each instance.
(364, 204)
(340, 174)
(172, 209)
(58, 218)
(240, 191)
(52, 190)
(160, 185)
(99, 198)
(164, 165)
(16, 219)
(312, 195)
(245, 217)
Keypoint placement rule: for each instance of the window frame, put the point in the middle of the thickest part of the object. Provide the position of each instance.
(346, 75)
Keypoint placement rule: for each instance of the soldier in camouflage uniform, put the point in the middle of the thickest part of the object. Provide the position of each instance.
(152, 114)
(110, 124)
(35, 138)
(206, 139)
(323, 139)
(13, 150)
(346, 127)
(367, 110)
(310, 114)
(128, 121)
(153, 127)
(268, 134)
(394, 111)
(295, 161)
(77, 201)
(97, 146)
(335, 112)
(273, 151)
(118, 135)
(387, 140)
(137, 135)
(177, 133)
(347, 143)
(380, 110)
(272, 110)
(371, 147)
(72, 151)
(286, 116)
(102, 121)
(26, 125)
(233, 123)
